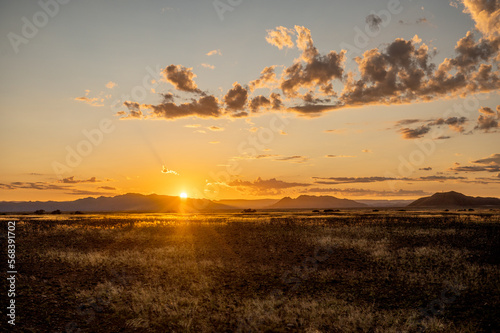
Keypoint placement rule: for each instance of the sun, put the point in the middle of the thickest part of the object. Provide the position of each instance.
(183, 195)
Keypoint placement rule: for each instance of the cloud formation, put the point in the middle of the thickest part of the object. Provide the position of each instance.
(335, 131)
(367, 192)
(339, 156)
(208, 66)
(205, 107)
(312, 70)
(362, 180)
(274, 102)
(266, 80)
(486, 14)
(408, 122)
(488, 120)
(487, 123)
(32, 185)
(47, 186)
(236, 98)
(134, 111)
(350, 180)
(477, 168)
(215, 128)
(487, 164)
(493, 159)
(488, 111)
(280, 37)
(400, 72)
(85, 192)
(94, 101)
(373, 22)
(294, 159)
(107, 188)
(214, 52)
(72, 180)
(421, 20)
(414, 133)
(166, 171)
(454, 123)
(181, 78)
(110, 85)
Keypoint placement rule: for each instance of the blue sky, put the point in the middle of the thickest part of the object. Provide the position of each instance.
(87, 45)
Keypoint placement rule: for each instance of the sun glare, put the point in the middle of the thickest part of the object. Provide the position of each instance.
(183, 195)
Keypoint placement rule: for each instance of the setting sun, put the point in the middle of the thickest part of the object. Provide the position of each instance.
(183, 195)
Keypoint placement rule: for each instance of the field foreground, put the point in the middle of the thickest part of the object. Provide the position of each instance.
(274, 272)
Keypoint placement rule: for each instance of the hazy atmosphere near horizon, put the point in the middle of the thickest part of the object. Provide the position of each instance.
(249, 99)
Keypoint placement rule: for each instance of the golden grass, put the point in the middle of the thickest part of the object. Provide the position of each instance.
(220, 273)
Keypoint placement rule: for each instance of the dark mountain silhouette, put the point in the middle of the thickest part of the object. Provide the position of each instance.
(133, 202)
(455, 200)
(310, 202)
(130, 202)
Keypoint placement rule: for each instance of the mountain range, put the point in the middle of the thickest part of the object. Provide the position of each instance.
(311, 202)
(454, 200)
(133, 202)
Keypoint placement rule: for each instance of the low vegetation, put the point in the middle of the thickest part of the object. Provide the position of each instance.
(292, 272)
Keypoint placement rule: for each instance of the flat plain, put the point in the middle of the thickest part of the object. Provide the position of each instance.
(348, 271)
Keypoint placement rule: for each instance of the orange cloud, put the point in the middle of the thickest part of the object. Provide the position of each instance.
(110, 85)
(280, 37)
(214, 52)
(208, 66)
(167, 171)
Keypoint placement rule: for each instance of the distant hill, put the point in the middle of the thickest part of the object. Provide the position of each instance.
(455, 200)
(243, 204)
(153, 203)
(310, 202)
(130, 202)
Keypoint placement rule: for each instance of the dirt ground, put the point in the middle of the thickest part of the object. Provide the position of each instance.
(342, 272)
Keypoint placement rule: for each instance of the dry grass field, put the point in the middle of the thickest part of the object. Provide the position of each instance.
(354, 271)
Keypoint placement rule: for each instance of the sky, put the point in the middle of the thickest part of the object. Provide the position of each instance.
(249, 99)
